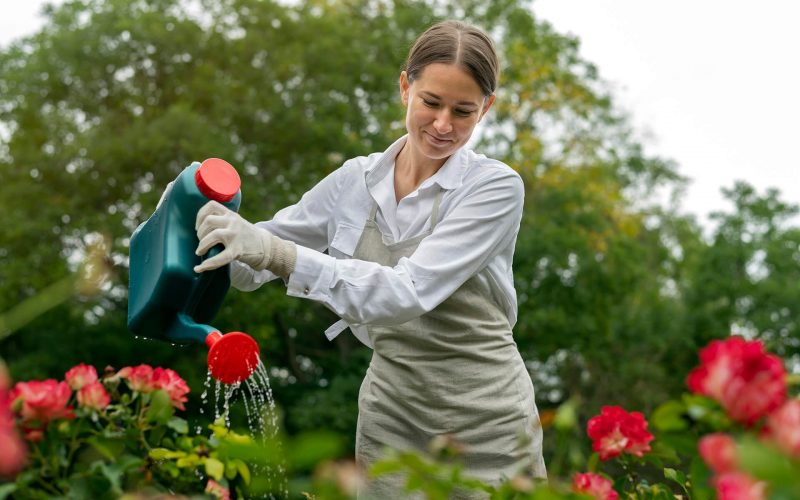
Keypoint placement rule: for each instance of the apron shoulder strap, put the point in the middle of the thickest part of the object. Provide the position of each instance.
(435, 211)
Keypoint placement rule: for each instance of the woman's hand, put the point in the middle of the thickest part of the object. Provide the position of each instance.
(243, 241)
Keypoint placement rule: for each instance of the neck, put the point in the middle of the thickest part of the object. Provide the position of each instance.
(411, 169)
(414, 166)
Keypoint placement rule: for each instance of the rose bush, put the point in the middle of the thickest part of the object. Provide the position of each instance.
(119, 432)
(93, 437)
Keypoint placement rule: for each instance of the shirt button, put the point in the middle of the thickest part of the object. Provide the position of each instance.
(306, 290)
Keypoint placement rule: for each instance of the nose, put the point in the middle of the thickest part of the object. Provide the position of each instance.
(442, 123)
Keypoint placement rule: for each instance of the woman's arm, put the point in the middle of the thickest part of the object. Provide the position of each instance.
(483, 224)
(305, 223)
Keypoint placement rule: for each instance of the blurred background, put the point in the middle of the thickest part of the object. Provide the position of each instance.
(623, 266)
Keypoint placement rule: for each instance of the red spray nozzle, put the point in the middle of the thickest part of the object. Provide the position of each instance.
(232, 357)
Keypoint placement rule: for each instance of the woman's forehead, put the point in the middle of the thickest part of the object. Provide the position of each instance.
(448, 82)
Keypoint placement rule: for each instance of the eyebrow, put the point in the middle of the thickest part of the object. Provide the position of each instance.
(461, 103)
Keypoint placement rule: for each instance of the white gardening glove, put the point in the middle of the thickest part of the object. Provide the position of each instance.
(243, 241)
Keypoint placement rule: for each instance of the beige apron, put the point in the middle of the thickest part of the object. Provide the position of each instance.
(455, 370)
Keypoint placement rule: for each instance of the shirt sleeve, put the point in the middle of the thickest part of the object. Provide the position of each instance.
(482, 224)
(305, 223)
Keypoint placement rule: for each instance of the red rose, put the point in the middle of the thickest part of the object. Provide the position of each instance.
(12, 452)
(42, 401)
(745, 380)
(739, 486)
(93, 396)
(719, 452)
(140, 378)
(594, 485)
(80, 375)
(783, 427)
(173, 384)
(616, 431)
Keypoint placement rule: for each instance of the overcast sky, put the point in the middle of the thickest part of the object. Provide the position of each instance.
(714, 84)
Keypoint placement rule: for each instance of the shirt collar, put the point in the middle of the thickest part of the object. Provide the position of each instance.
(449, 176)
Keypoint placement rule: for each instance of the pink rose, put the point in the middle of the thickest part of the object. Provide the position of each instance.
(80, 375)
(13, 451)
(173, 384)
(217, 490)
(594, 485)
(745, 380)
(93, 396)
(616, 431)
(783, 428)
(140, 378)
(42, 401)
(719, 452)
(739, 486)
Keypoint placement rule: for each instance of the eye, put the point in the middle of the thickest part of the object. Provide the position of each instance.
(430, 104)
(463, 112)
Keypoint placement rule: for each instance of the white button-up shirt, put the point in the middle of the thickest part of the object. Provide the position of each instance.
(477, 228)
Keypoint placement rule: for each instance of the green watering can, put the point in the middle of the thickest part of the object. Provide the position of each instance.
(167, 300)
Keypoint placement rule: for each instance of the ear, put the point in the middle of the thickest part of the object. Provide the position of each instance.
(488, 105)
(404, 86)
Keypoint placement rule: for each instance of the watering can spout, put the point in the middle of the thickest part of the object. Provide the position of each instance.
(232, 357)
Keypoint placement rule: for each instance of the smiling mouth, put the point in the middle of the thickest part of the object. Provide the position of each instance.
(438, 139)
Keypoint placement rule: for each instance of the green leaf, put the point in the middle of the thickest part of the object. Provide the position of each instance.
(113, 474)
(244, 471)
(765, 462)
(7, 489)
(160, 410)
(230, 470)
(699, 477)
(179, 425)
(190, 461)
(108, 448)
(385, 467)
(669, 417)
(214, 468)
(675, 475)
(165, 454)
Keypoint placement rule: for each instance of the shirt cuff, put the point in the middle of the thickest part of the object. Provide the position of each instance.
(312, 275)
(245, 278)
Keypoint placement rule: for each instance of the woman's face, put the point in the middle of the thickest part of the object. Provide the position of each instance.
(443, 105)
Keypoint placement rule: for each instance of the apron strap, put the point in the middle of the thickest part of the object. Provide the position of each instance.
(374, 211)
(435, 211)
(335, 329)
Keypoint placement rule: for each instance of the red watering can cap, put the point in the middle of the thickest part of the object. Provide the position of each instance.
(217, 180)
(232, 357)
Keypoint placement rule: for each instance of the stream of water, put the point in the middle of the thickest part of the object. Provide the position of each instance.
(255, 394)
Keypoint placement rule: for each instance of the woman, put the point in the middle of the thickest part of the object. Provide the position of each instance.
(420, 240)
